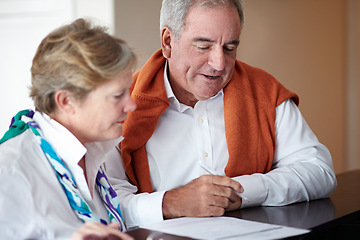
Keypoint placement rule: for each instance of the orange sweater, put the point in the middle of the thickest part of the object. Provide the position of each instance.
(250, 101)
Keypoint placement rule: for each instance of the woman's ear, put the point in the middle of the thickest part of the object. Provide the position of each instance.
(64, 101)
(166, 38)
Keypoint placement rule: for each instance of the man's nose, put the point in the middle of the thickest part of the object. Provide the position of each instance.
(217, 59)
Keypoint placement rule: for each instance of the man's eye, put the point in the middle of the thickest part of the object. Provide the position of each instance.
(230, 48)
(203, 47)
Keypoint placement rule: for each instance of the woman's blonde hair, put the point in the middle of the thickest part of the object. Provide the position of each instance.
(77, 57)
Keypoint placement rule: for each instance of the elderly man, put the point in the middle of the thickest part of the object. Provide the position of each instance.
(210, 133)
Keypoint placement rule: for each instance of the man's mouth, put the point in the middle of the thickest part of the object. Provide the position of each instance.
(211, 77)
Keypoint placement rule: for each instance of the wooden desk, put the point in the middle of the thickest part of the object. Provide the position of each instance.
(327, 218)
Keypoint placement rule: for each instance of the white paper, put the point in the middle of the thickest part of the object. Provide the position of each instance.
(212, 228)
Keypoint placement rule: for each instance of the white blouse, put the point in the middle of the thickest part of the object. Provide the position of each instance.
(33, 204)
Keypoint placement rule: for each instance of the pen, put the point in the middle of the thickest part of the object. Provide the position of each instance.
(208, 170)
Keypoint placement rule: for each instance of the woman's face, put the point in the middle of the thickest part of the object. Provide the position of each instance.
(101, 114)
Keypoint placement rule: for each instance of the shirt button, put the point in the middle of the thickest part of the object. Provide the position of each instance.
(201, 121)
(206, 154)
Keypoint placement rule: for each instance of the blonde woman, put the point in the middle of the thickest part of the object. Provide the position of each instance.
(52, 180)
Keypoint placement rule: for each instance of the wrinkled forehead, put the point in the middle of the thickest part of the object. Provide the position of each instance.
(208, 16)
(213, 4)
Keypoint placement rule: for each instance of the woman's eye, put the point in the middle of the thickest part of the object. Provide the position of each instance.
(118, 96)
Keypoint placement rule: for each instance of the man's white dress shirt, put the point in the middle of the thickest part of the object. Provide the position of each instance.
(186, 139)
(33, 204)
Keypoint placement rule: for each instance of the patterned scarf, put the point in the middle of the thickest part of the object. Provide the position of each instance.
(22, 121)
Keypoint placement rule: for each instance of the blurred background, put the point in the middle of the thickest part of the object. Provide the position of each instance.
(311, 46)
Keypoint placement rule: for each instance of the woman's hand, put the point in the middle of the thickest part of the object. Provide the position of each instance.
(99, 231)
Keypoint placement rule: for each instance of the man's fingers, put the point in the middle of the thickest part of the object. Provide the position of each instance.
(227, 182)
(208, 195)
(224, 191)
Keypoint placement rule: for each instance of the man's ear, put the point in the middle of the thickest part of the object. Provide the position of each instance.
(166, 38)
(64, 101)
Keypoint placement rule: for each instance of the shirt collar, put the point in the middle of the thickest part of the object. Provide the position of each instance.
(65, 144)
(70, 149)
(170, 94)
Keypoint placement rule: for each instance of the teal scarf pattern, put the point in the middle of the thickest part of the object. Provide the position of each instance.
(23, 121)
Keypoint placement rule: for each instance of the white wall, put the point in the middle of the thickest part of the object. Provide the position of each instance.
(100, 10)
(23, 24)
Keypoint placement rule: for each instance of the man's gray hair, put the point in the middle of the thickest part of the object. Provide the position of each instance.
(173, 12)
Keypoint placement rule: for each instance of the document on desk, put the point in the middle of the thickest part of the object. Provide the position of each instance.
(229, 228)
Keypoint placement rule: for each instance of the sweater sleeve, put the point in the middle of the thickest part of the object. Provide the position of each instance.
(302, 169)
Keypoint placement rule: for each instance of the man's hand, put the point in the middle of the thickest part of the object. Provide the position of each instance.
(208, 195)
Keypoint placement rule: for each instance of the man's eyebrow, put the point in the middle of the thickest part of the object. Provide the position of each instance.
(234, 42)
(200, 39)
